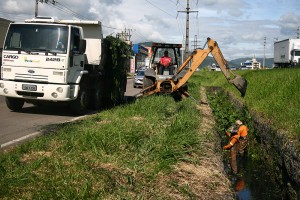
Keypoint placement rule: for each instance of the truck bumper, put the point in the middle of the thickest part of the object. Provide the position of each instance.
(38, 91)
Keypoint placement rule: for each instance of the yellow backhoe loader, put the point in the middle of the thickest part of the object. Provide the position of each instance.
(176, 84)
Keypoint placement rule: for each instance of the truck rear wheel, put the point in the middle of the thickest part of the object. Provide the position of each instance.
(122, 90)
(96, 97)
(14, 104)
(80, 105)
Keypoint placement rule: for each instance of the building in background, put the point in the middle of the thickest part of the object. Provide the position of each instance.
(251, 64)
(141, 54)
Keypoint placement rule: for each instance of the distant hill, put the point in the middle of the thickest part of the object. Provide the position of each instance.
(210, 60)
(237, 62)
(268, 61)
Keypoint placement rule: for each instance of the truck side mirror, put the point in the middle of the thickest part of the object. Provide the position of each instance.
(82, 45)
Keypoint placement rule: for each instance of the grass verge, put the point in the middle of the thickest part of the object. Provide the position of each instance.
(115, 154)
(274, 94)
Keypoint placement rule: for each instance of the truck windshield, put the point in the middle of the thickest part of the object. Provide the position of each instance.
(31, 37)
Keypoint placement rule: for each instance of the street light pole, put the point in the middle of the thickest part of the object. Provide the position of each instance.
(264, 52)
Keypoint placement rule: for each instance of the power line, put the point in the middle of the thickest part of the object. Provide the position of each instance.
(159, 8)
(63, 8)
(59, 6)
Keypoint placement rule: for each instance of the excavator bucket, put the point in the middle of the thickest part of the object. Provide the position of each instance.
(241, 84)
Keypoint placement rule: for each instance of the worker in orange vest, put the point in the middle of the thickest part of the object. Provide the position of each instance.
(238, 142)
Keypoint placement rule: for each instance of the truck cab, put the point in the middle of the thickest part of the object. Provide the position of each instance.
(46, 59)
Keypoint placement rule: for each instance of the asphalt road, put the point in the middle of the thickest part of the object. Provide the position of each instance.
(18, 126)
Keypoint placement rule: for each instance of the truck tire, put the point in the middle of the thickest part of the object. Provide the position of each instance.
(80, 105)
(122, 90)
(14, 104)
(96, 98)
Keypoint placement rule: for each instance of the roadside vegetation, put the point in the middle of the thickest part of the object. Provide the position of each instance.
(273, 94)
(124, 152)
(130, 151)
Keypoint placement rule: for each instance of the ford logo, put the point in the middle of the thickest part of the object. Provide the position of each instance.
(31, 71)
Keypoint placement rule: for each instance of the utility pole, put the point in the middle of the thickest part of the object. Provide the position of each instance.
(125, 35)
(298, 32)
(36, 8)
(195, 45)
(264, 52)
(187, 30)
(42, 1)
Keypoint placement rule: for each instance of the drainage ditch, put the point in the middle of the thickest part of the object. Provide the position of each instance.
(271, 167)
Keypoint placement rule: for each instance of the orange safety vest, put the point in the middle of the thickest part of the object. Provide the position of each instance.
(243, 131)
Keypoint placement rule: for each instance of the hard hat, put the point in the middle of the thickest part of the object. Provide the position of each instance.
(238, 122)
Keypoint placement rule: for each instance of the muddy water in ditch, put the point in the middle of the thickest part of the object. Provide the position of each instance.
(254, 180)
(259, 175)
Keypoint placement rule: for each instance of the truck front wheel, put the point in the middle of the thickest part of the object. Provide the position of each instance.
(80, 105)
(14, 104)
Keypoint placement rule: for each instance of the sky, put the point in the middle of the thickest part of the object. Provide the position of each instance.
(242, 28)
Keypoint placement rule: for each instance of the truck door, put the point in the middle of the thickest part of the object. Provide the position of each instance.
(76, 57)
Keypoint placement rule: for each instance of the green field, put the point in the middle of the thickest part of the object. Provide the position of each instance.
(272, 94)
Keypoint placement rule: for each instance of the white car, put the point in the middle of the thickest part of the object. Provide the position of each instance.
(138, 78)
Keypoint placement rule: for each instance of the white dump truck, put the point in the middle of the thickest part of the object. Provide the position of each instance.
(287, 53)
(46, 60)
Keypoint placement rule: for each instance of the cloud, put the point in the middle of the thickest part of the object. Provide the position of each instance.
(233, 8)
(289, 23)
(239, 26)
(15, 6)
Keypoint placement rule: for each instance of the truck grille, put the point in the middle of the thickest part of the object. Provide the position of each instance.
(31, 77)
(30, 94)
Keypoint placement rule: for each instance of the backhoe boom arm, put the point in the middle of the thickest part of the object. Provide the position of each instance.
(176, 84)
(198, 56)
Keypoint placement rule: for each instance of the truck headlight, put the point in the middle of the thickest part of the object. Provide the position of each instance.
(54, 94)
(59, 89)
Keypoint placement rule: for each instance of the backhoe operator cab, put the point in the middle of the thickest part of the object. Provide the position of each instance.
(159, 50)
